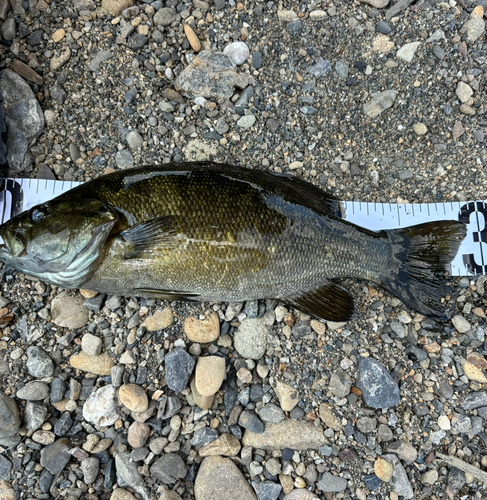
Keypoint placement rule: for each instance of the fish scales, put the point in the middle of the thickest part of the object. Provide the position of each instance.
(211, 232)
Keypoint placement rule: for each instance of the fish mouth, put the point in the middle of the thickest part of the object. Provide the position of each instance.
(13, 243)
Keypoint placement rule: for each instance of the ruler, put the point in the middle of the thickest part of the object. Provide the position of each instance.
(17, 195)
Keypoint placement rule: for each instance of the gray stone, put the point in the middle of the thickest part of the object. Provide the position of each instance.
(321, 68)
(267, 490)
(128, 470)
(456, 479)
(59, 60)
(379, 103)
(134, 140)
(124, 159)
(473, 400)
(384, 27)
(379, 390)
(165, 16)
(4, 9)
(24, 119)
(249, 420)
(247, 121)
(90, 467)
(406, 52)
(56, 456)
(101, 408)
(475, 28)
(301, 494)
(57, 390)
(168, 407)
(34, 415)
(250, 339)
(68, 311)
(214, 478)
(366, 424)
(404, 450)
(211, 75)
(204, 436)
(438, 52)
(5, 468)
(459, 322)
(63, 424)
(33, 391)
(340, 383)
(39, 364)
(101, 57)
(400, 482)
(169, 468)
(238, 52)
(91, 344)
(341, 69)
(9, 416)
(179, 367)
(8, 30)
(330, 483)
(271, 413)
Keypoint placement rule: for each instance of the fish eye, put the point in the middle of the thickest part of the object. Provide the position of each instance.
(36, 215)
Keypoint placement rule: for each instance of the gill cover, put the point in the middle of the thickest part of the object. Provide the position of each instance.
(60, 241)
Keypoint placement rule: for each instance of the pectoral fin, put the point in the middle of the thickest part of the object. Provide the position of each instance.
(145, 238)
(154, 293)
(330, 302)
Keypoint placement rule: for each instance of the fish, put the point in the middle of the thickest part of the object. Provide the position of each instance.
(213, 232)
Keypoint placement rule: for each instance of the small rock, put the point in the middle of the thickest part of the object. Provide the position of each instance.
(91, 344)
(406, 52)
(475, 28)
(247, 121)
(59, 60)
(267, 490)
(124, 159)
(461, 324)
(249, 420)
(100, 408)
(39, 364)
(56, 456)
(287, 395)
(128, 470)
(192, 38)
(464, 92)
(400, 482)
(165, 16)
(204, 402)
(58, 35)
(90, 467)
(226, 445)
(238, 52)
(27, 72)
(321, 68)
(214, 477)
(271, 413)
(383, 469)
(33, 391)
(404, 450)
(250, 339)
(134, 140)
(68, 311)
(340, 383)
(100, 365)
(430, 477)
(379, 103)
(203, 331)
(9, 416)
(475, 367)
(209, 374)
(379, 390)
(420, 129)
(330, 483)
(138, 434)
(378, 4)
(34, 415)
(169, 468)
(133, 397)
(122, 494)
(179, 367)
(160, 320)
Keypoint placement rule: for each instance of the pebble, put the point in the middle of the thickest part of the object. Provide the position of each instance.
(475, 367)
(33, 391)
(124, 159)
(250, 339)
(267, 490)
(202, 331)
(461, 324)
(237, 52)
(211, 75)
(209, 375)
(214, 477)
(379, 103)
(321, 68)
(128, 470)
(404, 450)
(250, 421)
(330, 483)
(27, 72)
(165, 16)
(407, 51)
(293, 434)
(100, 365)
(90, 467)
(101, 408)
(9, 416)
(59, 60)
(420, 129)
(39, 364)
(271, 413)
(287, 395)
(464, 92)
(384, 27)
(340, 383)
(246, 121)
(34, 415)
(122, 494)
(56, 456)
(379, 390)
(400, 482)
(160, 320)
(383, 469)
(179, 367)
(138, 434)
(134, 140)
(169, 468)
(192, 38)
(68, 311)
(204, 402)
(475, 28)
(133, 397)
(430, 477)
(91, 344)
(226, 445)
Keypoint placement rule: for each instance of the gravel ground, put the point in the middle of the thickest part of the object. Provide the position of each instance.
(113, 397)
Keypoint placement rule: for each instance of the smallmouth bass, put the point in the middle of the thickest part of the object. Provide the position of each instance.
(212, 232)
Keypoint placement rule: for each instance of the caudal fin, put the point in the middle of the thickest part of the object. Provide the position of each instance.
(421, 258)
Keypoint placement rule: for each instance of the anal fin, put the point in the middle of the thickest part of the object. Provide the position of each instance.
(330, 302)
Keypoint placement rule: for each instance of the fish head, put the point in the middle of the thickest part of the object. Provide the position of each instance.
(59, 241)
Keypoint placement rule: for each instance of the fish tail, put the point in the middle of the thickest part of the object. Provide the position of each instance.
(420, 264)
